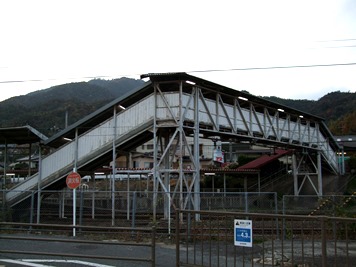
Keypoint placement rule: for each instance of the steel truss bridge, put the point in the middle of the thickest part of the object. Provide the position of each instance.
(170, 109)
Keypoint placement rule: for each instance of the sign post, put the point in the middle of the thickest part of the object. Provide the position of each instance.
(73, 181)
(243, 233)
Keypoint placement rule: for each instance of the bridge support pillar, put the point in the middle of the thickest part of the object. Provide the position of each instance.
(307, 171)
(174, 142)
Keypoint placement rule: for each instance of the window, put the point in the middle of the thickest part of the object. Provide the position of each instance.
(150, 146)
(148, 165)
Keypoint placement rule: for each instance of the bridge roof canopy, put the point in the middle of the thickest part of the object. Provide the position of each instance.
(229, 93)
(20, 135)
(347, 142)
(166, 80)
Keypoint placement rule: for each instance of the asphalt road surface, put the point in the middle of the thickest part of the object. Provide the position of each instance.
(165, 254)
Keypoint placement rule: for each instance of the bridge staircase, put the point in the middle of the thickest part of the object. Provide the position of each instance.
(89, 149)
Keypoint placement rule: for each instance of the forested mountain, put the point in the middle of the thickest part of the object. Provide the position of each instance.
(46, 109)
(337, 108)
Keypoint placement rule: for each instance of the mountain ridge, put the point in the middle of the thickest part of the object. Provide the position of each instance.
(45, 109)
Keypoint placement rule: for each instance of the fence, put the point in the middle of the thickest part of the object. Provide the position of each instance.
(283, 240)
(328, 205)
(206, 237)
(127, 205)
(124, 206)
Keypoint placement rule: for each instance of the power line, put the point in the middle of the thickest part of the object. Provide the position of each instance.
(44, 80)
(198, 71)
(341, 46)
(278, 67)
(337, 40)
(345, 43)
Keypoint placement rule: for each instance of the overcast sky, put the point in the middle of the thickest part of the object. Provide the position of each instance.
(45, 43)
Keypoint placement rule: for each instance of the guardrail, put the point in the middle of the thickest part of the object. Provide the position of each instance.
(126, 233)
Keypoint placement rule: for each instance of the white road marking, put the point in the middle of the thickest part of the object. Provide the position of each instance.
(34, 262)
(86, 263)
(20, 262)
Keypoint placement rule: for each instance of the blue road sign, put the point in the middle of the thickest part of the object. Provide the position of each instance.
(243, 233)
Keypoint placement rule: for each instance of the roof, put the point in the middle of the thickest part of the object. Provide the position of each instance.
(20, 135)
(347, 142)
(345, 138)
(226, 93)
(264, 160)
(162, 77)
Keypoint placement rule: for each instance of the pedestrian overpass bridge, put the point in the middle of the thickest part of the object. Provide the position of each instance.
(169, 108)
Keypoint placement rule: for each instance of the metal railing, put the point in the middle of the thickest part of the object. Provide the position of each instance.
(206, 238)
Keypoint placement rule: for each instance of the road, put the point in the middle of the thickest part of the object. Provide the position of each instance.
(165, 254)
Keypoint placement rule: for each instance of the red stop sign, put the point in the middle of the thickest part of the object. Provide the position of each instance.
(73, 180)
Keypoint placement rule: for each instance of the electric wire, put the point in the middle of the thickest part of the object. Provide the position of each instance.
(195, 71)
(277, 67)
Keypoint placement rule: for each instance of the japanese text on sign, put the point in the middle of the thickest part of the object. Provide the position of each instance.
(243, 233)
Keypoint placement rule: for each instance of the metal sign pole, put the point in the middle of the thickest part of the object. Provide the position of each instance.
(73, 181)
(74, 190)
(74, 209)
